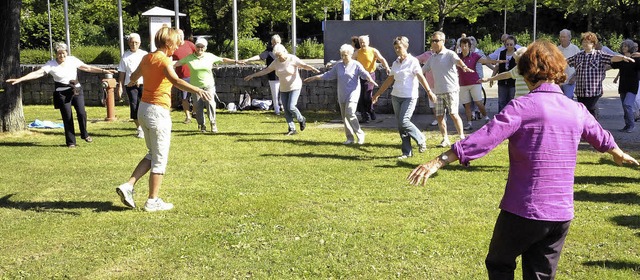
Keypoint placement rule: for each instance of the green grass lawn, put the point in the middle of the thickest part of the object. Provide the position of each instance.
(253, 203)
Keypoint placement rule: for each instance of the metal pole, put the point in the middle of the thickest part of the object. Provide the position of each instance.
(504, 29)
(176, 7)
(535, 18)
(235, 29)
(66, 25)
(50, 34)
(293, 27)
(120, 28)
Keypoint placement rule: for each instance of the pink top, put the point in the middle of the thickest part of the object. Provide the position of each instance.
(469, 78)
(423, 58)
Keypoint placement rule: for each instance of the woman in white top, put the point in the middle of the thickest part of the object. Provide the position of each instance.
(286, 67)
(67, 92)
(129, 63)
(404, 75)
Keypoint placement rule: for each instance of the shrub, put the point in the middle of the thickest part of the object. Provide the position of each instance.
(248, 47)
(487, 45)
(310, 48)
(88, 54)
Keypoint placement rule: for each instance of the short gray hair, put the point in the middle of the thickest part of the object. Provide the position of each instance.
(631, 45)
(566, 31)
(60, 46)
(439, 34)
(346, 48)
(276, 38)
(134, 36)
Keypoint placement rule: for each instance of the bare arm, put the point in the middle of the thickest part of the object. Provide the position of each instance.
(501, 76)
(488, 61)
(308, 67)
(385, 85)
(31, 76)
(93, 69)
(313, 78)
(618, 58)
(253, 58)
(423, 81)
(463, 66)
(120, 83)
(262, 72)
(181, 84)
(381, 59)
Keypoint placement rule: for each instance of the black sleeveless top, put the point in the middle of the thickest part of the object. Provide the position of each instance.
(504, 67)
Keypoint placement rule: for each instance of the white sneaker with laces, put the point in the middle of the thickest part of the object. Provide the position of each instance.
(214, 128)
(361, 140)
(157, 205)
(402, 157)
(140, 133)
(434, 123)
(125, 191)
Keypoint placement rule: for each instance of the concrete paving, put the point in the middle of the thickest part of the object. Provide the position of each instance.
(611, 116)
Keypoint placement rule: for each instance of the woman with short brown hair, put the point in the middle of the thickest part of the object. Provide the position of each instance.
(544, 129)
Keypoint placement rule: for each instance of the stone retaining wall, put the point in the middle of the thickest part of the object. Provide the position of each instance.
(316, 96)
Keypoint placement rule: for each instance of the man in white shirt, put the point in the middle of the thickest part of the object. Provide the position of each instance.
(568, 50)
(128, 64)
(443, 65)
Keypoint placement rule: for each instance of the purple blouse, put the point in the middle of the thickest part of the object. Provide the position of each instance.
(544, 129)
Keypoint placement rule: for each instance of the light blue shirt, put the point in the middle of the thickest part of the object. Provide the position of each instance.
(348, 77)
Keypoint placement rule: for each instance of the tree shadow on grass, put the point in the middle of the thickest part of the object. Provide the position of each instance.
(325, 156)
(318, 143)
(60, 207)
(604, 180)
(624, 198)
(630, 221)
(619, 265)
(29, 144)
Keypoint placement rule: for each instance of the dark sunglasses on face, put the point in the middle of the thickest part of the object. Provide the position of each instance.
(436, 40)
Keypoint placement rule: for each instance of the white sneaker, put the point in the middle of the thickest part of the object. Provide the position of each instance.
(444, 144)
(157, 205)
(361, 140)
(140, 133)
(403, 157)
(486, 118)
(214, 128)
(434, 123)
(125, 191)
(468, 126)
(348, 142)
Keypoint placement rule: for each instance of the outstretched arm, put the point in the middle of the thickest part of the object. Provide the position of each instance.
(262, 72)
(31, 76)
(181, 84)
(380, 58)
(93, 69)
(621, 157)
(501, 76)
(385, 85)
(423, 81)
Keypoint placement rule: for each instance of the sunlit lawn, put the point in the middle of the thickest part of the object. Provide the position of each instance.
(253, 203)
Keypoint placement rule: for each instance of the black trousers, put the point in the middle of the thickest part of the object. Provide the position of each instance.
(365, 104)
(539, 243)
(134, 94)
(591, 103)
(63, 101)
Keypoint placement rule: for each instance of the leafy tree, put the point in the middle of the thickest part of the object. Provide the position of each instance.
(11, 115)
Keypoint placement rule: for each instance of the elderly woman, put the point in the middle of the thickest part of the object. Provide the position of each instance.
(129, 62)
(368, 56)
(590, 65)
(268, 57)
(200, 63)
(67, 92)
(544, 129)
(347, 73)
(286, 67)
(628, 87)
(405, 75)
(155, 117)
(506, 87)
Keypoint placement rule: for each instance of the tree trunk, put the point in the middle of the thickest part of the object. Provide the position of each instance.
(11, 115)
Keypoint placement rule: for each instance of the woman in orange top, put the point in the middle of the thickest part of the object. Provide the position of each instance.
(159, 76)
(368, 56)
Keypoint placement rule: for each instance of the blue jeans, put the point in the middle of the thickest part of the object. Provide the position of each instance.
(568, 90)
(505, 94)
(628, 99)
(289, 101)
(403, 109)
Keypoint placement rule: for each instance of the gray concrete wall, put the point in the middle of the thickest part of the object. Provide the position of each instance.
(315, 96)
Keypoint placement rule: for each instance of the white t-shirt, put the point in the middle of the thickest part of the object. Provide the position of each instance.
(129, 63)
(404, 73)
(288, 73)
(65, 72)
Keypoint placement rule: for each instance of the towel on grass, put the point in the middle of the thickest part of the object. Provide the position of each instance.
(45, 124)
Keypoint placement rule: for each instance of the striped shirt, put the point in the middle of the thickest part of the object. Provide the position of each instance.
(590, 71)
(521, 86)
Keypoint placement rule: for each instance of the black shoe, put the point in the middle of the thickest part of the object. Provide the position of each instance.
(624, 129)
(373, 116)
(303, 125)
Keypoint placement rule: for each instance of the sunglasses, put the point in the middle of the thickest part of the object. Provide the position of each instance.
(436, 40)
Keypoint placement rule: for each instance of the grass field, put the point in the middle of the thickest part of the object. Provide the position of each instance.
(253, 203)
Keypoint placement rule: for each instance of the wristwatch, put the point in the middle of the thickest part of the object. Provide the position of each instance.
(444, 157)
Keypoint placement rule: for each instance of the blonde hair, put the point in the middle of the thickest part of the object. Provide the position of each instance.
(401, 40)
(276, 38)
(134, 36)
(166, 37)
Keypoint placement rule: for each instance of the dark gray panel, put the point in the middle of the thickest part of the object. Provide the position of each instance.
(381, 35)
